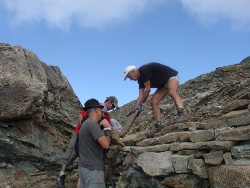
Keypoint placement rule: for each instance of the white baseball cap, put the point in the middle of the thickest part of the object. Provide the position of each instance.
(127, 70)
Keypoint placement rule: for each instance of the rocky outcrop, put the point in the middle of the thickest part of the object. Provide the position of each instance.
(38, 111)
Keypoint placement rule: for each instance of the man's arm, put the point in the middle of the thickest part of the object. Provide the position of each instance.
(80, 118)
(143, 93)
(105, 123)
(104, 141)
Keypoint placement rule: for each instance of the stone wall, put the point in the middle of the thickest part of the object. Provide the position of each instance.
(210, 150)
(214, 153)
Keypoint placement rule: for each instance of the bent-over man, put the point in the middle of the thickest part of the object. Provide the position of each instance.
(162, 77)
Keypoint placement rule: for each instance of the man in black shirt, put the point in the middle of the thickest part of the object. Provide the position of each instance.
(155, 75)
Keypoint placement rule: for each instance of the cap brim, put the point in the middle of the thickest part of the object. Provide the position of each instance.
(125, 78)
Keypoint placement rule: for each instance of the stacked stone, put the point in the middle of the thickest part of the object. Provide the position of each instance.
(213, 153)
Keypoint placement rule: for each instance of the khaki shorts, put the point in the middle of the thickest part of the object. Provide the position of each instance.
(70, 154)
(176, 77)
(91, 178)
(173, 77)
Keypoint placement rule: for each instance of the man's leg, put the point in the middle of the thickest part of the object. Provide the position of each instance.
(156, 98)
(68, 157)
(63, 170)
(172, 86)
(78, 183)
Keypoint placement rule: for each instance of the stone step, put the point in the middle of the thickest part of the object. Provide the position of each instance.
(209, 145)
(237, 105)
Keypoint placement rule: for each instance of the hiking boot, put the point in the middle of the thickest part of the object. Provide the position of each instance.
(181, 117)
(60, 181)
(151, 134)
(157, 129)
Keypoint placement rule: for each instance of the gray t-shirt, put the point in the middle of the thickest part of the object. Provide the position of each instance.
(90, 151)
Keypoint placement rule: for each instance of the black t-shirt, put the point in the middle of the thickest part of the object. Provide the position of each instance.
(157, 73)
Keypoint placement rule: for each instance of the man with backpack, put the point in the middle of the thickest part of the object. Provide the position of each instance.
(70, 155)
(92, 142)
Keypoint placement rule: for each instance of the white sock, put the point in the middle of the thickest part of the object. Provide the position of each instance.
(61, 173)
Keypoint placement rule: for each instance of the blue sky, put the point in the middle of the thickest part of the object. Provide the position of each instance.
(92, 41)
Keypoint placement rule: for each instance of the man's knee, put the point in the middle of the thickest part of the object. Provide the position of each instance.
(172, 93)
(153, 101)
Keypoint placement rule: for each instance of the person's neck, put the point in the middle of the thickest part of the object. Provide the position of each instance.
(138, 73)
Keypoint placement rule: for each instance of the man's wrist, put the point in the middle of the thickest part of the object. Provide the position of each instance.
(107, 132)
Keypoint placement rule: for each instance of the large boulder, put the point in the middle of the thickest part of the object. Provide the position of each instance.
(38, 110)
(23, 83)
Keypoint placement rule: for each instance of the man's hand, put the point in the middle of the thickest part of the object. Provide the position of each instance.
(131, 112)
(107, 132)
(139, 107)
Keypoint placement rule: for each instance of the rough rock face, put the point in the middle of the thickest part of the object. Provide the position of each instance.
(38, 111)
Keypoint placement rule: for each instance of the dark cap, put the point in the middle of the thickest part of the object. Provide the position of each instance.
(113, 100)
(91, 103)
